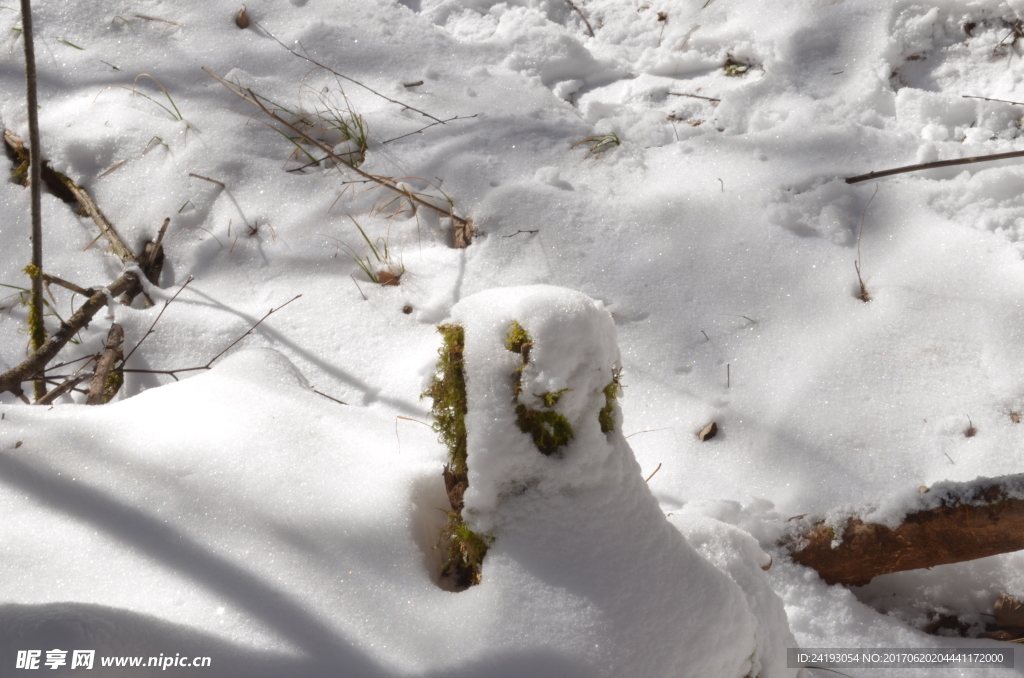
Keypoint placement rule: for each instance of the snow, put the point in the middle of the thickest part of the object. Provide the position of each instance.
(242, 515)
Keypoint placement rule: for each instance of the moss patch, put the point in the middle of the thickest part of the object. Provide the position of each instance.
(448, 390)
(606, 417)
(517, 338)
(551, 398)
(735, 69)
(548, 429)
(464, 548)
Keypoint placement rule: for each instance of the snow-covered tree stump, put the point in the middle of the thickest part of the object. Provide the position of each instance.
(542, 481)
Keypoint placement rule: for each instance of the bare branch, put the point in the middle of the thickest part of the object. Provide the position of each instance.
(249, 331)
(212, 181)
(694, 96)
(1002, 101)
(209, 365)
(68, 385)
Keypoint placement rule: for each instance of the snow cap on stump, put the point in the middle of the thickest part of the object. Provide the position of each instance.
(578, 515)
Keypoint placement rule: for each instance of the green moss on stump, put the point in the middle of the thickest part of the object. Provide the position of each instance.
(517, 338)
(548, 429)
(464, 548)
(448, 390)
(606, 417)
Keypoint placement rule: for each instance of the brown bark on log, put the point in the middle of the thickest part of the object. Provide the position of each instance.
(101, 390)
(12, 379)
(962, 521)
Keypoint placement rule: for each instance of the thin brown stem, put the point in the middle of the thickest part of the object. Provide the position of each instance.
(209, 364)
(576, 9)
(37, 331)
(933, 165)
(864, 296)
(1002, 101)
(433, 124)
(249, 331)
(694, 96)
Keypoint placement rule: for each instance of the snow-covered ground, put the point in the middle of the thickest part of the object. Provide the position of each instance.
(240, 515)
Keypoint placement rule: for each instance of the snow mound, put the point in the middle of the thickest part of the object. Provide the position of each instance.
(581, 517)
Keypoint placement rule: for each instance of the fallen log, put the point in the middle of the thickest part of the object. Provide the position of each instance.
(947, 523)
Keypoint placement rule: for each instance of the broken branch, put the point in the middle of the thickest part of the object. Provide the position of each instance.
(60, 282)
(12, 379)
(104, 386)
(69, 384)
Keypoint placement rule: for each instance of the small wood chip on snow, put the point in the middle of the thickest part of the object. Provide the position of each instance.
(708, 432)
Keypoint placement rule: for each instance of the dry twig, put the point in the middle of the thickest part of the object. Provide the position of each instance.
(694, 96)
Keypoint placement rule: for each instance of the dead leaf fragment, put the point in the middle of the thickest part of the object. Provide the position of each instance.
(17, 444)
(242, 18)
(708, 432)
(1014, 417)
(387, 278)
(1009, 611)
